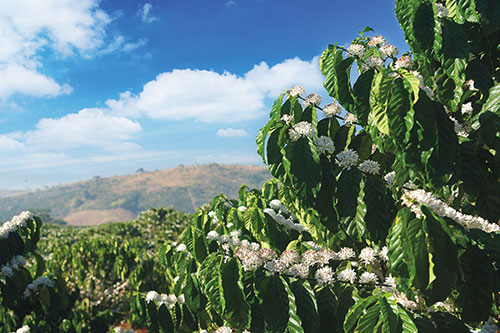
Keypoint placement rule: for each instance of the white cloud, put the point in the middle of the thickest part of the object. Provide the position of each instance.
(231, 133)
(230, 4)
(212, 97)
(9, 144)
(145, 12)
(68, 27)
(89, 127)
(18, 79)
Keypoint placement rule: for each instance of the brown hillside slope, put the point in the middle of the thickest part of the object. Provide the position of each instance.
(97, 200)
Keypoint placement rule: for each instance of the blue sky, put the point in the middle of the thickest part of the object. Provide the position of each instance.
(91, 87)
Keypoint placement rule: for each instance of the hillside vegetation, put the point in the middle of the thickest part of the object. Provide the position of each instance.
(100, 200)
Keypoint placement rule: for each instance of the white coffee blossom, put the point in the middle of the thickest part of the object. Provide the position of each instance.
(296, 91)
(389, 179)
(152, 296)
(41, 281)
(371, 62)
(223, 239)
(224, 329)
(332, 109)
(299, 270)
(414, 198)
(367, 256)
(470, 85)
(24, 329)
(389, 50)
(324, 256)
(383, 254)
(286, 118)
(267, 254)
(7, 271)
(302, 129)
(310, 258)
(356, 50)
(324, 275)
(368, 277)
(312, 99)
(275, 204)
(377, 41)
(242, 208)
(403, 62)
(467, 108)
(442, 11)
(369, 166)
(290, 257)
(419, 77)
(347, 158)
(212, 235)
(250, 259)
(350, 118)
(16, 222)
(347, 275)
(324, 145)
(181, 248)
(460, 128)
(346, 253)
(390, 281)
(275, 266)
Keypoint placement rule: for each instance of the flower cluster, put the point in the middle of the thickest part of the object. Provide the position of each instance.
(347, 158)
(371, 62)
(213, 216)
(312, 99)
(388, 50)
(413, 199)
(120, 329)
(168, 300)
(276, 211)
(467, 108)
(403, 62)
(41, 281)
(350, 118)
(286, 118)
(24, 329)
(16, 222)
(14, 264)
(302, 265)
(302, 129)
(442, 11)
(332, 109)
(377, 41)
(296, 91)
(369, 166)
(356, 50)
(324, 145)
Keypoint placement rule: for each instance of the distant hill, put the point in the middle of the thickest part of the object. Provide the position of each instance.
(100, 200)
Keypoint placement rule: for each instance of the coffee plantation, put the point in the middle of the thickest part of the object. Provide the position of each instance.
(382, 215)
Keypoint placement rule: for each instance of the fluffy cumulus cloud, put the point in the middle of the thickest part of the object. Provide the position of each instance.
(67, 27)
(89, 127)
(212, 97)
(231, 133)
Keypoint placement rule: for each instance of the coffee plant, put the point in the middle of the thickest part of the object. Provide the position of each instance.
(383, 212)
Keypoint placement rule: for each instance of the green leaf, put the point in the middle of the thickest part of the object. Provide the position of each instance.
(304, 165)
(493, 102)
(390, 320)
(361, 91)
(211, 282)
(356, 311)
(294, 321)
(307, 308)
(237, 310)
(348, 186)
(368, 319)
(475, 296)
(337, 72)
(165, 319)
(275, 304)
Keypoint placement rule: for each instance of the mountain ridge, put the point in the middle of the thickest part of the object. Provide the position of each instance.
(112, 199)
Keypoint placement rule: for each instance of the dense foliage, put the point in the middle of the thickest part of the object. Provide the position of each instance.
(383, 221)
(382, 215)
